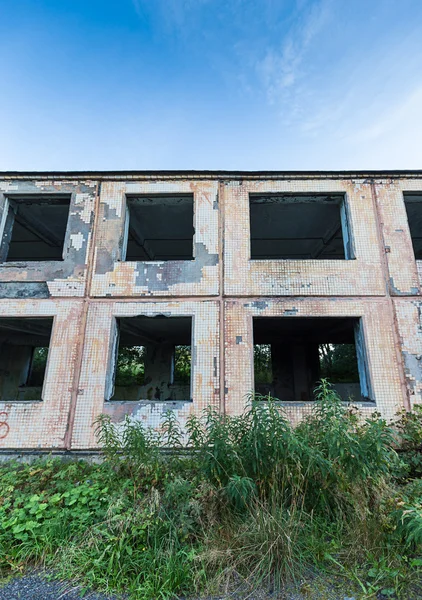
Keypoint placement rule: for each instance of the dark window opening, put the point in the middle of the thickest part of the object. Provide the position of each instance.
(24, 344)
(34, 229)
(300, 227)
(413, 204)
(291, 354)
(151, 359)
(159, 228)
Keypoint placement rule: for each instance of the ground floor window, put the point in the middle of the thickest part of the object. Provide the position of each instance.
(292, 353)
(24, 346)
(150, 359)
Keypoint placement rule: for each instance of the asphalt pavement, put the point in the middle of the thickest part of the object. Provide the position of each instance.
(35, 586)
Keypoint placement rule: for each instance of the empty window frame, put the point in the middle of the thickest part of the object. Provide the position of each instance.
(24, 344)
(159, 228)
(34, 228)
(413, 204)
(150, 359)
(291, 354)
(301, 227)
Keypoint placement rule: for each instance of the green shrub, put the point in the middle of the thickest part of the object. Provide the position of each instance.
(409, 426)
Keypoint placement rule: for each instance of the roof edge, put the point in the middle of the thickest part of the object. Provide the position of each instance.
(225, 175)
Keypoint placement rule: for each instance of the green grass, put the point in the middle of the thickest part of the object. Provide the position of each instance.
(245, 501)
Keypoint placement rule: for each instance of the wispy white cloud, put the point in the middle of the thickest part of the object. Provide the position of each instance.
(404, 114)
(283, 67)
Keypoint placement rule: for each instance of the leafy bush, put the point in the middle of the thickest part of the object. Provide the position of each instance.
(182, 364)
(409, 426)
(262, 363)
(130, 368)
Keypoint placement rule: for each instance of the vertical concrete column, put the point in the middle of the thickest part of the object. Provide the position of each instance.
(282, 368)
(295, 370)
(313, 365)
(8, 218)
(16, 362)
(159, 369)
(300, 372)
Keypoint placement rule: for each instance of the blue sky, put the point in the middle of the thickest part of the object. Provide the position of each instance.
(210, 84)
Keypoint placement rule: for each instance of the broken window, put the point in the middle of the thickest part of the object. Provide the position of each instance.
(413, 204)
(34, 229)
(291, 354)
(286, 226)
(24, 344)
(159, 228)
(151, 359)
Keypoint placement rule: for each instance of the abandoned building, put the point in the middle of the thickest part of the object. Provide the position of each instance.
(134, 293)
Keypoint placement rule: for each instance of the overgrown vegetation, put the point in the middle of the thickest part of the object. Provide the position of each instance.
(337, 362)
(241, 502)
(263, 372)
(130, 368)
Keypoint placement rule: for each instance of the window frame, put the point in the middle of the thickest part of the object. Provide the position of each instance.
(345, 220)
(10, 209)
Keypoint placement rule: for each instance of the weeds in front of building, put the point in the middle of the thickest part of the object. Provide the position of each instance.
(244, 502)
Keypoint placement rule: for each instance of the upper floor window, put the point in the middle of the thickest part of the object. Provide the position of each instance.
(159, 228)
(413, 204)
(34, 228)
(301, 227)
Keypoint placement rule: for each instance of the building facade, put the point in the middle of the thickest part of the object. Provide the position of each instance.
(220, 262)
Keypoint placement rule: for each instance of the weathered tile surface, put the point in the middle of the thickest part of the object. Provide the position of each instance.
(221, 289)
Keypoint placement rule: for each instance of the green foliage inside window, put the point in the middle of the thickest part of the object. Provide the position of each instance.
(182, 364)
(262, 363)
(38, 366)
(338, 363)
(130, 368)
